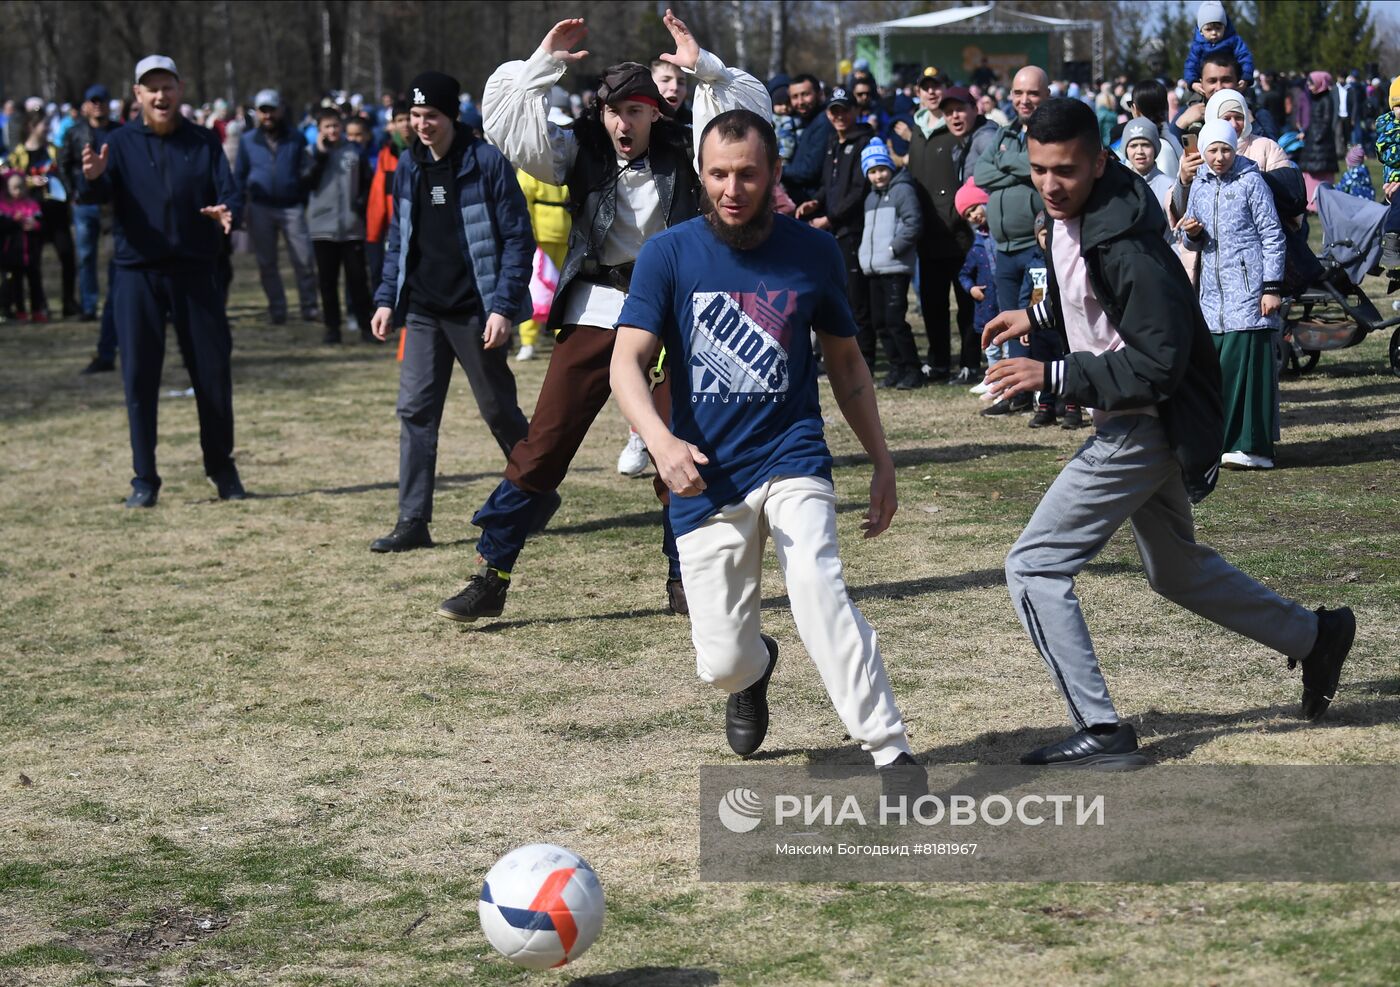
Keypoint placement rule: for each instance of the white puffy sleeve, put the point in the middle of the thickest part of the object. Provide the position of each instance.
(720, 89)
(515, 109)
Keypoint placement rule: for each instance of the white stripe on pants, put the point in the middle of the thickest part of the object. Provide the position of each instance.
(722, 567)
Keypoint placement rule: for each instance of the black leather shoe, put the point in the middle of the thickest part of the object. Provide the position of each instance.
(98, 366)
(746, 716)
(142, 497)
(228, 484)
(483, 596)
(408, 534)
(1322, 668)
(905, 777)
(675, 598)
(1116, 751)
(548, 505)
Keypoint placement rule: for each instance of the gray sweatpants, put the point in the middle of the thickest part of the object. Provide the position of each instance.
(431, 346)
(264, 223)
(1126, 471)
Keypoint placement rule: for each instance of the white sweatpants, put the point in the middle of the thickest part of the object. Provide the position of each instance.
(722, 567)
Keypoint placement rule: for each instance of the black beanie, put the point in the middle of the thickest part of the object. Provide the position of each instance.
(435, 89)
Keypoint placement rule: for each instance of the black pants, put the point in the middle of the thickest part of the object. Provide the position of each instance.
(936, 275)
(858, 293)
(431, 346)
(331, 256)
(193, 300)
(889, 303)
(58, 230)
(12, 291)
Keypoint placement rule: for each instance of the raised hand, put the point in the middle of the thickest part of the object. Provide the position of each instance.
(687, 48)
(94, 164)
(563, 37)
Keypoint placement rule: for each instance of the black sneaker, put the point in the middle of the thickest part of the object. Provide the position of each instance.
(549, 503)
(903, 777)
(997, 409)
(1044, 417)
(142, 497)
(228, 484)
(408, 534)
(911, 380)
(1022, 403)
(98, 366)
(483, 596)
(746, 716)
(1116, 751)
(890, 379)
(1074, 418)
(1322, 668)
(675, 598)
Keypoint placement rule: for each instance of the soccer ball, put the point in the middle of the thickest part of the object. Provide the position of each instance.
(541, 906)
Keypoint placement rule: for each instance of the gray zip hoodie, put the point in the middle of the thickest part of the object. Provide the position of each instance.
(892, 226)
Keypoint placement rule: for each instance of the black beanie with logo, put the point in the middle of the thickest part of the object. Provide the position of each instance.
(436, 89)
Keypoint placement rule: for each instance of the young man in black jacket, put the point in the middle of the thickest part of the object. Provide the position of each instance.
(1141, 356)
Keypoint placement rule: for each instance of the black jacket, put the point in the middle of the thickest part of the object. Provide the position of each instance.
(843, 185)
(935, 164)
(1319, 153)
(1169, 360)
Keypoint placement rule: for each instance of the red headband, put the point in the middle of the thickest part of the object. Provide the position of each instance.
(637, 98)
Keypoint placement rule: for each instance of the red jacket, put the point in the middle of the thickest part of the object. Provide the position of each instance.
(379, 211)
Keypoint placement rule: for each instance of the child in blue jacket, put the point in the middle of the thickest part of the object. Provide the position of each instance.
(1215, 33)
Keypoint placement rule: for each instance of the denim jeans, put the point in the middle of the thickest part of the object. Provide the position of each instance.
(87, 229)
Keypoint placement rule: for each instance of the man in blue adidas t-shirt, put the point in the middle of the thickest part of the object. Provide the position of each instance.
(733, 296)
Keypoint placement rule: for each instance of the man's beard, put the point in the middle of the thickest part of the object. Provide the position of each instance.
(741, 236)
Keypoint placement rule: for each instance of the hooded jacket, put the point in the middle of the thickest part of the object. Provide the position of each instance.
(495, 235)
(339, 179)
(1168, 359)
(1004, 173)
(936, 165)
(893, 221)
(1242, 250)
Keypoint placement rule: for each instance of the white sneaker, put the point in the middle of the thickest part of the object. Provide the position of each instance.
(525, 353)
(978, 389)
(1245, 461)
(633, 459)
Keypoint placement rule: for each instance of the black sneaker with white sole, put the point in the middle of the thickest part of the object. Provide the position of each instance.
(746, 716)
(1322, 668)
(483, 596)
(1111, 751)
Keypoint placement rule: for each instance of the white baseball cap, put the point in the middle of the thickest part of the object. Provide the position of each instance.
(156, 63)
(267, 97)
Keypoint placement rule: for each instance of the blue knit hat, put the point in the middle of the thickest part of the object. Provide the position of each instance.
(875, 155)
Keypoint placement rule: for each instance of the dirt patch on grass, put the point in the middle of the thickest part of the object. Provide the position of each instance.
(169, 929)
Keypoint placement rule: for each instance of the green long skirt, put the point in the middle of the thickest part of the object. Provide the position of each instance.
(1249, 390)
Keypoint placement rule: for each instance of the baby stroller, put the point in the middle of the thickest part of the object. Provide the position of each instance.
(1329, 311)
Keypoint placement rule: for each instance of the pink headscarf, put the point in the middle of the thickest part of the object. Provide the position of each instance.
(1319, 82)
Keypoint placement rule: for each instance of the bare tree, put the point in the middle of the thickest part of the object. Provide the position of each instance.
(777, 37)
(736, 23)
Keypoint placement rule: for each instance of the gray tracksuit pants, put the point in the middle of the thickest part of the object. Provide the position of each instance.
(430, 349)
(1126, 471)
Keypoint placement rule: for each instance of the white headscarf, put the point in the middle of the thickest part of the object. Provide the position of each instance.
(1225, 100)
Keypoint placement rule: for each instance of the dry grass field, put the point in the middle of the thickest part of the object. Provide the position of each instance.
(238, 748)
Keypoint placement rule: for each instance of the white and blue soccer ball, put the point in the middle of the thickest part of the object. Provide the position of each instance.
(541, 906)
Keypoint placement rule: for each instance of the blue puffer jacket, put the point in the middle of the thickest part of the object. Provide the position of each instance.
(1242, 247)
(276, 178)
(496, 235)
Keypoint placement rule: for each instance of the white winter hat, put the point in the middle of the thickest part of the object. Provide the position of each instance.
(1210, 12)
(1218, 132)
